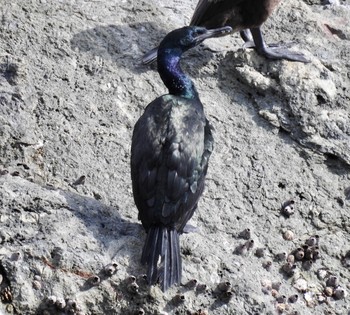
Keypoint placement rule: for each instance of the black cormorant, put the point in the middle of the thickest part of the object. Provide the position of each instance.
(245, 16)
(171, 146)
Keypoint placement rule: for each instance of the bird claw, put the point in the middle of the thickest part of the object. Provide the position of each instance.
(251, 44)
(278, 52)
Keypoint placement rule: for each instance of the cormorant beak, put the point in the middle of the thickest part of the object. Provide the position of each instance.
(216, 32)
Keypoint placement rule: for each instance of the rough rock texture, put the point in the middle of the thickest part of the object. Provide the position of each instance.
(71, 89)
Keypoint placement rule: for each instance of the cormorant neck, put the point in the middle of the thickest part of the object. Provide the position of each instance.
(177, 82)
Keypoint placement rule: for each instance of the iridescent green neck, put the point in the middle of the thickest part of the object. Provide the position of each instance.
(177, 82)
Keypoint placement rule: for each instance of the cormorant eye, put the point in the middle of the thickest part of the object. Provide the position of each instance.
(199, 31)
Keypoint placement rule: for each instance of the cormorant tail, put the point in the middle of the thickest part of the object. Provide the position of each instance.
(161, 253)
(150, 57)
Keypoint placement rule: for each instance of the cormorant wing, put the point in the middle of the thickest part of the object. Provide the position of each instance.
(211, 13)
(169, 161)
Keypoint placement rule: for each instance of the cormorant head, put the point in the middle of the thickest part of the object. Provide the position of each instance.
(190, 36)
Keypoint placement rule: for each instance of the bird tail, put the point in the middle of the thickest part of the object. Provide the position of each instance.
(150, 56)
(161, 253)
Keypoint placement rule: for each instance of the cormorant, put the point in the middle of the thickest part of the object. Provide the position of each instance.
(171, 146)
(245, 16)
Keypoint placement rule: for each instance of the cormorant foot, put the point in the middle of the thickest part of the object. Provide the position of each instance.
(248, 44)
(277, 52)
(251, 44)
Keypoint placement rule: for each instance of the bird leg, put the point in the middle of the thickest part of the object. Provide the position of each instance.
(246, 35)
(253, 39)
(248, 38)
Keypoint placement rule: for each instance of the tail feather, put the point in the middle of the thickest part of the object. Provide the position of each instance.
(161, 253)
(150, 57)
(176, 256)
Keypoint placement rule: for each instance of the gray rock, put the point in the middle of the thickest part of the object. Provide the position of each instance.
(71, 89)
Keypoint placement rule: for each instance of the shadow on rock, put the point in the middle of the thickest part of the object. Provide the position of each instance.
(123, 44)
(103, 221)
(126, 44)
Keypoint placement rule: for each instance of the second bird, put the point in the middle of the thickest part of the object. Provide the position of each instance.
(171, 146)
(245, 16)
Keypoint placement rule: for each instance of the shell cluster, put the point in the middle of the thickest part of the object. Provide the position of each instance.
(307, 254)
(69, 306)
(334, 289)
(282, 301)
(6, 295)
(224, 290)
(243, 248)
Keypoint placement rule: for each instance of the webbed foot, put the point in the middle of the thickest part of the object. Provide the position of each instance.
(253, 39)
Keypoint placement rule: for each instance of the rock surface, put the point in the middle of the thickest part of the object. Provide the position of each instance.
(71, 89)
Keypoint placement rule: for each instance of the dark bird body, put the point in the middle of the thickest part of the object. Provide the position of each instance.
(239, 14)
(245, 16)
(171, 146)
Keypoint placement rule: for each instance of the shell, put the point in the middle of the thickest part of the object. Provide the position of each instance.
(293, 298)
(246, 234)
(36, 285)
(328, 291)
(339, 293)
(313, 240)
(291, 259)
(309, 298)
(94, 280)
(224, 286)
(260, 252)
(249, 244)
(282, 307)
(322, 273)
(307, 264)
(133, 287)
(201, 287)
(191, 284)
(60, 303)
(274, 293)
(287, 208)
(281, 256)
(332, 281)
(266, 283)
(316, 254)
(309, 253)
(51, 299)
(321, 298)
(281, 299)
(71, 305)
(276, 285)
(299, 255)
(241, 249)
(288, 235)
(110, 269)
(16, 256)
(300, 285)
(267, 265)
(179, 298)
(289, 268)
